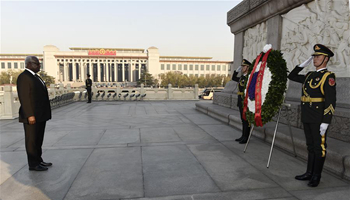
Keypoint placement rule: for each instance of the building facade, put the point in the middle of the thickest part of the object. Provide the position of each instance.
(110, 65)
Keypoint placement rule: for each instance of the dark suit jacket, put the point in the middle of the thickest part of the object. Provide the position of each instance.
(34, 98)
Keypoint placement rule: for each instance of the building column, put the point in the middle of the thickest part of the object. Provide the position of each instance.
(238, 50)
(107, 72)
(74, 74)
(115, 71)
(123, 72)
(65, 68)
(98, 71)
(83, 71)
(91, 70)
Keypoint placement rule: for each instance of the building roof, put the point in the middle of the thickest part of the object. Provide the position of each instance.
(111, 49)
(185, 57)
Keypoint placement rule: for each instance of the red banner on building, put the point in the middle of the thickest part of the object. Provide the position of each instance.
(102, 52)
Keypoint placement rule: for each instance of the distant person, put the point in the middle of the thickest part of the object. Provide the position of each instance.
(35, 110)
(318, 100)
(241, 83)
(88, 84)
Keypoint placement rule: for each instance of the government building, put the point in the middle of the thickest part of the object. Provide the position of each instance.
(111, 65)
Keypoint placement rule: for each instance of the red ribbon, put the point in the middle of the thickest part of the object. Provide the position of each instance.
(245, 102)
(258, 120)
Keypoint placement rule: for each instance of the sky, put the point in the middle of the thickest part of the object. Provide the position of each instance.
(176, 28)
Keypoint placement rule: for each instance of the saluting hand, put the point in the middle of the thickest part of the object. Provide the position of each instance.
(306, 62)
(323, 128)
(239, 69)
(31, 120)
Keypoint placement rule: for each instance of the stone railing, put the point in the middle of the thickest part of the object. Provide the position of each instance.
(9, 103)
(141, 93)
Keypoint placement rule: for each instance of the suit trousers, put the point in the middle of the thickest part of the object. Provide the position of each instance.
(89, 94)
(245, 124)
(34, 136)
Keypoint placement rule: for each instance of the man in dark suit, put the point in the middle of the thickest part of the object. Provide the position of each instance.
(35, 110)
(317, 107)
(88, 84)
(245, 124)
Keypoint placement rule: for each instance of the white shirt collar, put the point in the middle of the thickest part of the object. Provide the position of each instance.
(30, 71)
(321, 69)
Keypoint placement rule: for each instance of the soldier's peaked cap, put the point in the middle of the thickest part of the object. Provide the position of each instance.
(322, 50)
(246, 62)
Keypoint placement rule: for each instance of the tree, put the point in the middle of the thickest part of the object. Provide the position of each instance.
(5, 77)
(47, 78)
(226, 80)
(146, 78)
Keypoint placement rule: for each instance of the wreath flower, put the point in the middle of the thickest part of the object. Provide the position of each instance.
(265, 87)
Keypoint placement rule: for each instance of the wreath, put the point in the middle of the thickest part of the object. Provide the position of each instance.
(272, 80)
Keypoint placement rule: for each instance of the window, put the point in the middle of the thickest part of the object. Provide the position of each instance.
(196, 75)
(162, 66)
(168, 67)
(185, 67)
(224, 68)
(207, 67)
(179, 67)
(174, 66)
(191, 67)
(202, 67)
(15, 65)
(8, 65)
(219, 68)
(2, 65)
(213, 68)
(196, 67)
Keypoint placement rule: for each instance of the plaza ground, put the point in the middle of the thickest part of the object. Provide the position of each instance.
(151, 150)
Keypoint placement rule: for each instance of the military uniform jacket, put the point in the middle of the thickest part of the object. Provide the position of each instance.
(88, 83)
(241, 87)
(318, 95)
(34, 98)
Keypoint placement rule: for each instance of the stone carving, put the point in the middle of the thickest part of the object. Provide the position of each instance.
(325, 22)
(254, 40)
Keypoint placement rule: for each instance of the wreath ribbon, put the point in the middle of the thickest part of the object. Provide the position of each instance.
(245, 103)
(258, 120)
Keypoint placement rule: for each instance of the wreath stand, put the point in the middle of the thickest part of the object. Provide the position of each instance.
(287, 107)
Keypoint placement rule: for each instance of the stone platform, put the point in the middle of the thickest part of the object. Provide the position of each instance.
(151, 150)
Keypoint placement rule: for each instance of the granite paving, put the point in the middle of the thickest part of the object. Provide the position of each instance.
(150, 150)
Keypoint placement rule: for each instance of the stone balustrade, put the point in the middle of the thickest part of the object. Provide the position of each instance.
(60, 96)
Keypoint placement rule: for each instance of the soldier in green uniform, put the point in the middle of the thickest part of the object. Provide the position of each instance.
(317, 108)
(88, 84)
(245, 124)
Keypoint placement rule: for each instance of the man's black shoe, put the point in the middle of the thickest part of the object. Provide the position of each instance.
(45, 164)
(243, 141)
(304, 177)
(38, 168)
(315, 180)
(238, 139)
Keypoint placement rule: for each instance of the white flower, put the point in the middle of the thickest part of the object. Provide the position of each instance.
(267, 47)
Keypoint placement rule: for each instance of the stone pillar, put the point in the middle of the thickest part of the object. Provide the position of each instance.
(74, 69)
(91, 69)
(8, 107)
(169, 92)
(107, 72)
(83, 71)
(65, 71)
(238, 50)
(115, 71)
(123, 72)
(195, 91)
(98, 71)
(274, 32)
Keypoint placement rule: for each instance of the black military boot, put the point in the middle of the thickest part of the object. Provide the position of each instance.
(239, 139)
(245, 134)
(310, 166)
(316, 177)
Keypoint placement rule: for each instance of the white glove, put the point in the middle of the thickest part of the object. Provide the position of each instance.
(323, 128)
(239, 69)
(306, 63)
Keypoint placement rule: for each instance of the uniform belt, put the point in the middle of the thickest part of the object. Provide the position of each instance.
(310, 99)
(240, 93)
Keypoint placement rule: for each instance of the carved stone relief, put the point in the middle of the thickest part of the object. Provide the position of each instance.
(321, 21)
(254, 40)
